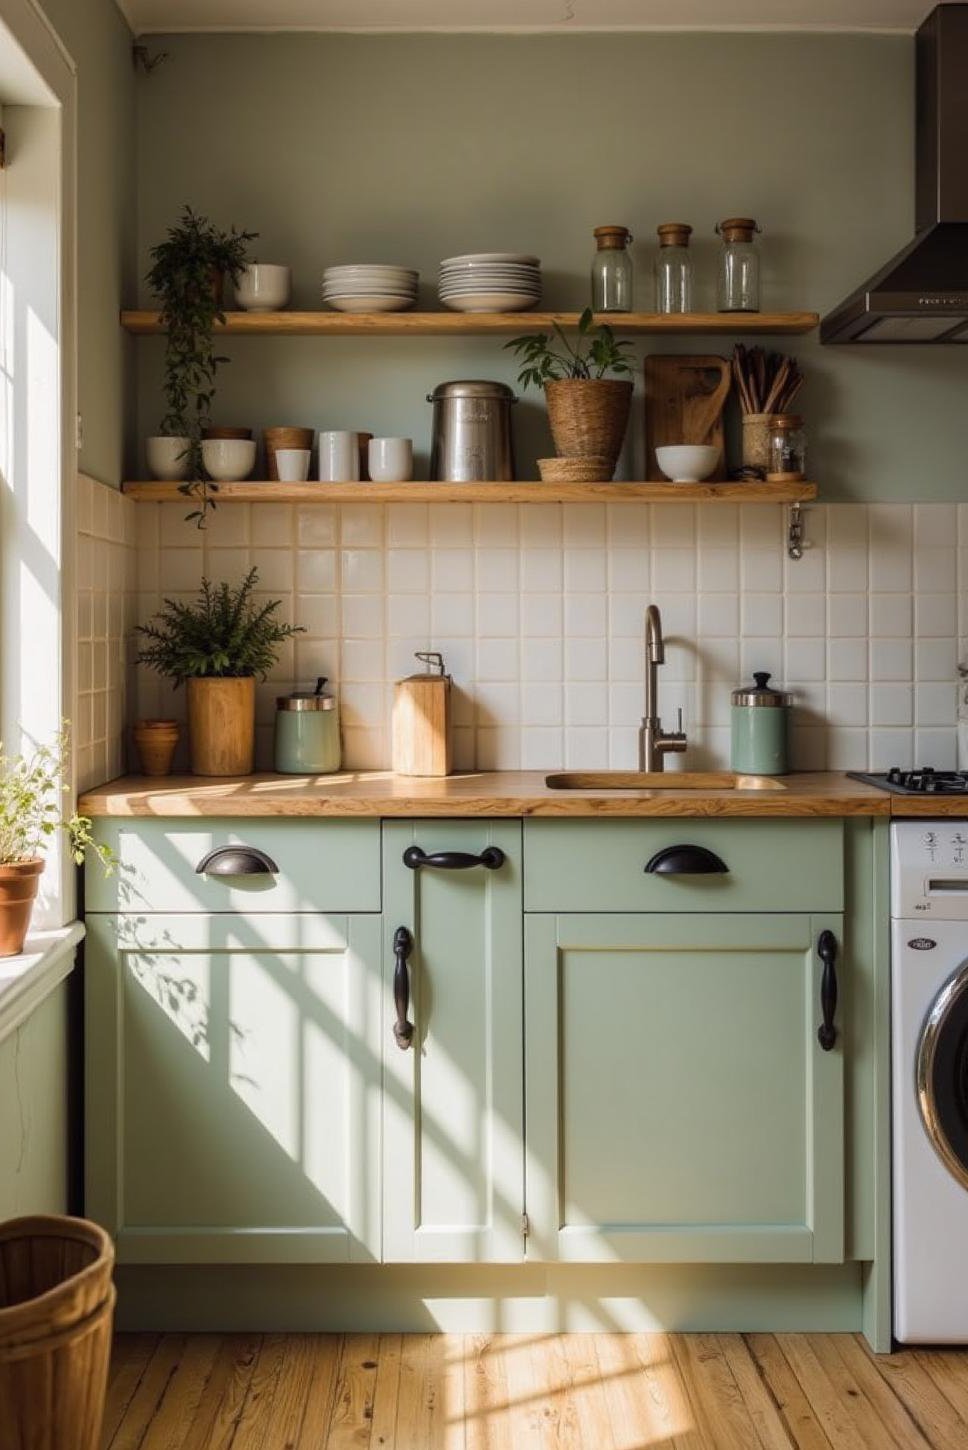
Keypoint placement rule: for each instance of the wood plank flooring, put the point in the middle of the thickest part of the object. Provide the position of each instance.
(537, 1392)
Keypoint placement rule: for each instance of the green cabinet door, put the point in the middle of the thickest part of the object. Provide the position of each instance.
(453, 1171)
(679, 1105)
(233, 1087)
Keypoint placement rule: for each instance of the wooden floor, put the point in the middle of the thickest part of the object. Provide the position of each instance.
(514, 1392)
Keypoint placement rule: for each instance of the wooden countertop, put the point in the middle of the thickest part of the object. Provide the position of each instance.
(496, 793)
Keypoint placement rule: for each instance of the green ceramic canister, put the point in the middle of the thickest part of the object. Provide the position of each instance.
(758, 728)
(307, 732)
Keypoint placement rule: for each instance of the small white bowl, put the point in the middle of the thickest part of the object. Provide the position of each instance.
(292, 464)
(228, 460)
(687, 462)
(167, 458)
(263, 287)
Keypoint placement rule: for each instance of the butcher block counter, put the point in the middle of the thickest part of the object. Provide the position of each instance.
(495, 793)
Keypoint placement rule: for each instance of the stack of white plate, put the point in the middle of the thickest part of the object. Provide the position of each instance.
(490, 282)
(370, 288)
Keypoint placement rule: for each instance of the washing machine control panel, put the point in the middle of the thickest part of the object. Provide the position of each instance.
(929, 870)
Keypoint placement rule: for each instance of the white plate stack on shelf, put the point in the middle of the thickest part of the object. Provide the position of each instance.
(366, 287)
(490, 282)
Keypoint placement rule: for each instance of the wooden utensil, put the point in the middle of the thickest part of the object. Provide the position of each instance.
(684, 399)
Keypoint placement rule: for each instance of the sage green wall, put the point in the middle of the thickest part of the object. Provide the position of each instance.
(33, 1124)
(99, 42)
(410, 148)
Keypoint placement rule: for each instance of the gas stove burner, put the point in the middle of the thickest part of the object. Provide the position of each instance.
(923, 781)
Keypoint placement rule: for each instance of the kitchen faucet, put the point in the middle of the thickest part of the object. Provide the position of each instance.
(653, 740)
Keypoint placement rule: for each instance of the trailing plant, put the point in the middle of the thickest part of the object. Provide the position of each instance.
(186, 276)
(223, 634)
(32, 788)
(595, 353)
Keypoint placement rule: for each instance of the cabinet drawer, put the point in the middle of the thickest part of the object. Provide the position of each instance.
(320, 866)
(771, 866)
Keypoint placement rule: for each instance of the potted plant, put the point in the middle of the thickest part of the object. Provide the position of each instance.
(32, 788)
(187, 276)
(217, 645)
(588, 412)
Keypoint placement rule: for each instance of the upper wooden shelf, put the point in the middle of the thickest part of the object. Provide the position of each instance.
(254, 492)
(427, 324)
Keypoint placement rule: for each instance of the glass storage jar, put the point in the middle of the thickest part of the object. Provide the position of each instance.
(307, 732)
(673, 268)
(612, 270)
(738, 279)
(788, 449)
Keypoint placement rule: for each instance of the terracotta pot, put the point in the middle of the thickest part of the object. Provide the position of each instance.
(588, 416)
(155, 742)
(19, 881)
(221, 726)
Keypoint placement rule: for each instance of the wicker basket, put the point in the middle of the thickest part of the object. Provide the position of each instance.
(274, 438)
(56, 1313)
(588, 417)
(576, 470)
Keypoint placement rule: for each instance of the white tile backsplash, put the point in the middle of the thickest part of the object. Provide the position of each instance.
(539, 611)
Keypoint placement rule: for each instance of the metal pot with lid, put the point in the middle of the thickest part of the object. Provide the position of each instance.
(307, 732)
(759, 716)
(471, 432)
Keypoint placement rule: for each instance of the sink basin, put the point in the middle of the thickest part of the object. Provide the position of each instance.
(679, 780)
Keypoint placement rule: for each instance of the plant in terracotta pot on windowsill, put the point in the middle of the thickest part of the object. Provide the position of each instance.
(216, 646)
(187, 277)
(588, 412)
(32, 788)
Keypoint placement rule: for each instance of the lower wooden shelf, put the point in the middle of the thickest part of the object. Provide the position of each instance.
(522, 492)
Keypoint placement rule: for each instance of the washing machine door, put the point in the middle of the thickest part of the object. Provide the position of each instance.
(942, 1074)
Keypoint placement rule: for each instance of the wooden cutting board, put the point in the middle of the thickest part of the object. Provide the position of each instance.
(684, 400)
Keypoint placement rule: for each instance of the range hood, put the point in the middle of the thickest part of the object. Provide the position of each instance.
(921, 295)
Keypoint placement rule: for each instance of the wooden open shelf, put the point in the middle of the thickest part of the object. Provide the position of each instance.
(427, 324)
(254, 492)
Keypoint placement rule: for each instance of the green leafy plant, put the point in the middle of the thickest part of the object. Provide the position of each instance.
(32, 788)
(186, 276)
(594, 354)
(223, 634)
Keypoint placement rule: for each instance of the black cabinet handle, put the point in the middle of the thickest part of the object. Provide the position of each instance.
(491, 858)
(685, 861)
(402, 947)
(236, 861)
(827, 952)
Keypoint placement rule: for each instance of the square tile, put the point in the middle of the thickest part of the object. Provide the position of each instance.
(316, 526)
(936, 704)
(497, 615)
(891, 659)
(361, 525)
(585, 659)
(806, 614)
(585, 570)
(316, 570)
(673, 526)
(935, 615)
(540, 526)
(628, 569)
(407, 525)
(452, 569)
(892, 704)
(583, 525)
(627, 526)
(319, 614)
(408, 571)
(718, 615)
(891, 616)
(541, 614)
(586, 749)
(497, 569)
(673, 569)
(585, 615)
(452, 614)
(497, 659)
(761, 614)
(496, 525)
(408, 614)
(718, 570)
(542, 660)
(361, 570)
(542, 704)
(451, 525)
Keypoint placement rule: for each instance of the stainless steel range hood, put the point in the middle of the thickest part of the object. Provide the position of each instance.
(921, 295)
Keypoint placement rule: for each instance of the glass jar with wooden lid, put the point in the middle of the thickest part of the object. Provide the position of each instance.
(673, 268)
(612, 270)
(788, 449)
(738, 278)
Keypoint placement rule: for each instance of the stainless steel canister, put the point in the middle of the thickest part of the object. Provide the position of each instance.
(471, 435)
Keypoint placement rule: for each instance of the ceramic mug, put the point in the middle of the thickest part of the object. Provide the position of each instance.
(292, 464)
(339, 458)
(390, 460)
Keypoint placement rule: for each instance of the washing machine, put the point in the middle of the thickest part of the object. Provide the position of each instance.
(929, 989)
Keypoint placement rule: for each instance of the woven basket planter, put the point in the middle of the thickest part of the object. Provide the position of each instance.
(588, 417)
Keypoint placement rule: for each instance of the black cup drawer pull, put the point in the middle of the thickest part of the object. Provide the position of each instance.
(827, 952)
(685, 861)
(402, 947)
(490, 858)
(236, 861)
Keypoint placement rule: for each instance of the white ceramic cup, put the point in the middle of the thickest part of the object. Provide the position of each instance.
(167, 458)
(263, 287)
(390, 460)
(292, 464)
(228, 460)
(339, 458)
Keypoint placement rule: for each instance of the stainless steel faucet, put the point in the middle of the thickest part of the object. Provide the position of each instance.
(654, 742)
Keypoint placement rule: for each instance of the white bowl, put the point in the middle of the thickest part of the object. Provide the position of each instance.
(263, 287)
(687, 462)
(167, 458)
(522, 258)
(489, 301)
(350, 268)
(228, 460)
(372, 303)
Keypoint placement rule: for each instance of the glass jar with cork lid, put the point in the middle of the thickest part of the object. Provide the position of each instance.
(612, 270)
(738, 278)
(787, 449)
(673, 268)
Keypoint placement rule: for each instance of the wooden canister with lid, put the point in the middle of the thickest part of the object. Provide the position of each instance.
(421, 720)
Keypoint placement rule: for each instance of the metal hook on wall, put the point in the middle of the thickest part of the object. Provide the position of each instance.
(795, 533)
(145, 62)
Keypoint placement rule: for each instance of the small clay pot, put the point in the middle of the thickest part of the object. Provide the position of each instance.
(155, 742)
(19, 881)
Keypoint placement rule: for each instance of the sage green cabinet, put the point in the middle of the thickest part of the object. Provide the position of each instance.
(233, 1086)
(453, 1126)
(679, 1105)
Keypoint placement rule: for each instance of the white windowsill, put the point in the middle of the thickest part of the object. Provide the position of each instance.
(26, 980)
